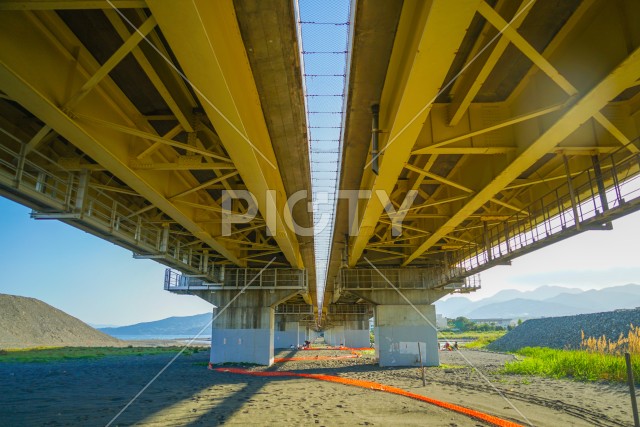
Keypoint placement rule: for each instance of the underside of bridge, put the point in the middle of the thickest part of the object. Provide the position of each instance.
(147, 124)
(179, 133)
(504, 126)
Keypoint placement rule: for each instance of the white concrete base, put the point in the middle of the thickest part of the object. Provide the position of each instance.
(243, 335)
(356, 338)
(334, 336)
(242, 346)
(399, 328)
(288, 338)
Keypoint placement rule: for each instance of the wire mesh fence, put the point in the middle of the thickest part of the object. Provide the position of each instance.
(324, 46)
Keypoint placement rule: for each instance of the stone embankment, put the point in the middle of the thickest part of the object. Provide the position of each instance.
(565, 332)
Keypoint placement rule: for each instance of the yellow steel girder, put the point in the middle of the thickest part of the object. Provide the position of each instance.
(420, 60)
(48, 46)
(623, 76)
(206, 40)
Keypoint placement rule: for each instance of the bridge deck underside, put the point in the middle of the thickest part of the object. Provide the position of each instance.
(107, 125)
(492, 143)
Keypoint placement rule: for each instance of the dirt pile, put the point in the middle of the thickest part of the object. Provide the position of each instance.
(565, 332)
(28, 322)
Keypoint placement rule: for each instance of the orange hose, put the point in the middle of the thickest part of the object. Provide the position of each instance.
(381, 387)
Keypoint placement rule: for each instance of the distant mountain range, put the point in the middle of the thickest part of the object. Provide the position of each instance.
(186, 325)
(546, 301)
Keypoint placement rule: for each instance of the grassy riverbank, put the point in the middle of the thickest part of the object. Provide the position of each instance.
(53, 354)
(577, 364)
(478, 339)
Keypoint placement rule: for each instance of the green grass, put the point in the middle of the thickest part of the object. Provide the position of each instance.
(575, 364)
(481, 339)
(54, 354)
(445, 366)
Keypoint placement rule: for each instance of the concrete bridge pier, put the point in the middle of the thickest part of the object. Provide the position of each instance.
(352, 332)
(349, 325)
(243, 332)
(290, 330)
(400, 326)
(356, 332)
(335, 335)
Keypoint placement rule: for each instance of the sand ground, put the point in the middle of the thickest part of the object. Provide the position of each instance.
(92, 392)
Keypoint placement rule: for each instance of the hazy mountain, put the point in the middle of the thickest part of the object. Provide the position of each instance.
(545, 301)
(462, 306)
(455, 306)
(185, 325)
(593, 301)
(101, 325)
(522, 308)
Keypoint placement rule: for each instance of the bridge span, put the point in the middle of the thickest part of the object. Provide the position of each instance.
(472, 132)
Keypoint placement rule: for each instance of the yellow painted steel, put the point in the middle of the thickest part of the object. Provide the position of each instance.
(623, 76)
(49, 45)
(420, 60)
(466, 88)
(206, 40)
(69, 4)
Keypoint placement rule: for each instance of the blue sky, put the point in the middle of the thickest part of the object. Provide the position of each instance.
(324, 27)
(85, 276)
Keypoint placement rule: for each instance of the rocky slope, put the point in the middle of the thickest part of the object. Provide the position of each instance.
(565, 332)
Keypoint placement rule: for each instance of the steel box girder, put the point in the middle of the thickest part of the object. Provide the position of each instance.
(206, 40)
(419, 62)
(47, 44)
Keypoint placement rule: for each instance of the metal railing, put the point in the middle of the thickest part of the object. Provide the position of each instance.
(294, 309)
(62, 194)
(403, 278)
(588, 200)
(239, 278)
(350, 309)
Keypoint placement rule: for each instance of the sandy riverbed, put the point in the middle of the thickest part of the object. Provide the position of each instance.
(92, 392)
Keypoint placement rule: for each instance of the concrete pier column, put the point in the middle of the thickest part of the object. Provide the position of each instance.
(243, 329)
(289, 332)
(335, 335)
(398, 330)
(356, 332)
(243, 335)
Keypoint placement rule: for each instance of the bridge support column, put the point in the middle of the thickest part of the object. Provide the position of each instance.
(356, 332)
(289, 331)
(243, 335)
(398, 330)
(335, 335)
(244, 331)
(401, 321)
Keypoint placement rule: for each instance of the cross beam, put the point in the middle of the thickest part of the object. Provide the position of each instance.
(623, 76)
(419, 63)
(43, 93)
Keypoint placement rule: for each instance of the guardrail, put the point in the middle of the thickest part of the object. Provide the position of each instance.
(350, 309)
(589, 200)
(294, 309)
(239, 278)
(406, 278)
(55, 192)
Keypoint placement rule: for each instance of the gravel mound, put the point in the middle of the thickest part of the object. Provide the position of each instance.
(565, 332)
(28, 322)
